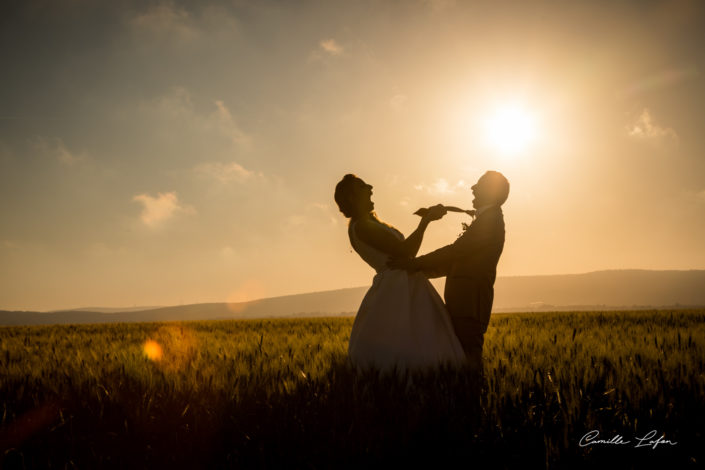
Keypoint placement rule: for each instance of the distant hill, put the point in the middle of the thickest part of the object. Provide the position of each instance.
(108, 309)
(335, 302)
(618, 288)
(603, 290)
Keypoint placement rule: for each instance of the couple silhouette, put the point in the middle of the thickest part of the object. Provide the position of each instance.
(402, 322)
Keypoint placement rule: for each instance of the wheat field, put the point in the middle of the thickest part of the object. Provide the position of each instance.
(279, 393)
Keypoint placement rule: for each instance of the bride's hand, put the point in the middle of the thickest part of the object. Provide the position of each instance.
(432, 213)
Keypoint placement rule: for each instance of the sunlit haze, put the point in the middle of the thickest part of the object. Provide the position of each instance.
(165, 153)
(510, 129)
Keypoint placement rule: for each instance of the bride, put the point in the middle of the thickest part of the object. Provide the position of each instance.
(402, 321)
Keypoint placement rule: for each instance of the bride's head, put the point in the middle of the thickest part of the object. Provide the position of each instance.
(354, 196)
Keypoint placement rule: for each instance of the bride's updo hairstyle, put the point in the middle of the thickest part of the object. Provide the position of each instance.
(344, 194)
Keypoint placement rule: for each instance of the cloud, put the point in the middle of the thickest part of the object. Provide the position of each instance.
(326, 211)
(167, 20)
(55, 148)
(439, 5)
(222, 120)
(295, 220)
(157, 210)
(701, 196)
(398, 101)
(8, 244)
(6, 154)
(227, 251)
(176, 106)
(662, 79)
(317, 213)
(440, 186)
(226, 172)
(331, 46)
(646, 129)
(101, 250)
(167, 26)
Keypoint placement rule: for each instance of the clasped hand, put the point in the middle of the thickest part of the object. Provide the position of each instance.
(432, 213)
(428, 214)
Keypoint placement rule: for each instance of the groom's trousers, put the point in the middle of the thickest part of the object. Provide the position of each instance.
(471, 334)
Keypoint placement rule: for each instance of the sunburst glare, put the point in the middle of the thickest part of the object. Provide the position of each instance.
(510, 129)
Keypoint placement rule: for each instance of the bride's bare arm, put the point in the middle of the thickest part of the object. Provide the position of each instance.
(375, 235)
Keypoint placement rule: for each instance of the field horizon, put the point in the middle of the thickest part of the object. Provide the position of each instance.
(628, 289)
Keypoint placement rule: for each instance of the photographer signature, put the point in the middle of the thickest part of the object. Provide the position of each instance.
(591, 438)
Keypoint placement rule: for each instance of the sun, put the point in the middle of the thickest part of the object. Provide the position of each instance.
(510, 129)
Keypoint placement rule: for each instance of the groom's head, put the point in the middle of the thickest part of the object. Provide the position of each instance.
(492, 189)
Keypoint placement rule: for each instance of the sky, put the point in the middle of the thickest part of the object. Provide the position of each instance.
(168, 152)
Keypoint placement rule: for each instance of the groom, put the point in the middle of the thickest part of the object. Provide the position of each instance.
(470, 266)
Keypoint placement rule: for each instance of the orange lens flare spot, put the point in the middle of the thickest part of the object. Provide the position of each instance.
(152, 350)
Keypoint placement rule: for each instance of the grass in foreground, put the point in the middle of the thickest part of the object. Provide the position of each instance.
(276, 393)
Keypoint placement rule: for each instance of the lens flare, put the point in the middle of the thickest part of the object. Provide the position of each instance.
(152, 350)
(246, 295)
(172, 347)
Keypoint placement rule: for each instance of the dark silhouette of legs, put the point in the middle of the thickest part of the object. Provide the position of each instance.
(471, 334)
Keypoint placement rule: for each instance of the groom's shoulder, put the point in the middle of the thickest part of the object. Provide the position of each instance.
(495, 211)
(493, 215)
(488, 225)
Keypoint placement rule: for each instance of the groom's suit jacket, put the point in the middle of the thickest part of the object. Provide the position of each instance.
(470, 266)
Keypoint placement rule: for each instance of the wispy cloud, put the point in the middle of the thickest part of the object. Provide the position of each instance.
(645, 128)
(316, 213)
(8, 244)
(167, 24)
(5, 153)
(166, 19)
(439, 5)
(331, 46)
(55, 148)
(701, 196)
(398, 101)
(227, 251)
(660, 80)
(326, 211)
(440, 186)
(295, 220)
(327, 49)
(226, 172)
(176, 106)
(222, 120)
(159, 209)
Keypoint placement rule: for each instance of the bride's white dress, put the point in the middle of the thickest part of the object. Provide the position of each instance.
(402, 320)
